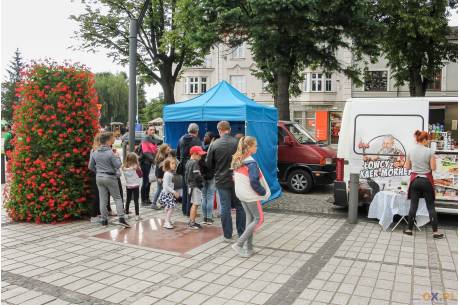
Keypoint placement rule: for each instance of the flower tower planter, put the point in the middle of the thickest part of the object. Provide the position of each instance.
(54, 125)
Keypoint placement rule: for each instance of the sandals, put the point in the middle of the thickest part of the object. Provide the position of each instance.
(408, 232)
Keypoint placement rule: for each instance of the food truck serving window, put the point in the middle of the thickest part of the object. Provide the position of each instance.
(375, 140)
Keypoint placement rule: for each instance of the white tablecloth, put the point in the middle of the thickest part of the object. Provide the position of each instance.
(386, 204)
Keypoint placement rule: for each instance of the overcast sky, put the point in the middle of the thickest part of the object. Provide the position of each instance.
(42, 29)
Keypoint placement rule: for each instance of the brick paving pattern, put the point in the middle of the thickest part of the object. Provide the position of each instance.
(313, 257)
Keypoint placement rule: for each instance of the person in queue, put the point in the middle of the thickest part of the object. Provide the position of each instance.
(93, 209)
(422, 162)
(219, 159)
(194, 178)
(168, 196)
(209, 184)
(133, 174)
(186, 142)
(147, 152)
(250, 187)
(105, 163)
(162, 154)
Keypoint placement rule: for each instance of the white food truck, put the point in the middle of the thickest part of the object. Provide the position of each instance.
(376, 135)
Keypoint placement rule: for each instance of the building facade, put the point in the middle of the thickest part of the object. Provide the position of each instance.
(319, 106)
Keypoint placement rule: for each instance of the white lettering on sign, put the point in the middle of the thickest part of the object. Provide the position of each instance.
(382, 169)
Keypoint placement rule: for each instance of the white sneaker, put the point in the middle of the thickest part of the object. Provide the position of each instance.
(95, 219)
(227, 240)
(138, 218)
(167, 225)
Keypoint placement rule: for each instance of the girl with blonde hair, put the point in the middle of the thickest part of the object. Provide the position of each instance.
(250, 188)
(163, 153)
(96, 141)
(168, 196)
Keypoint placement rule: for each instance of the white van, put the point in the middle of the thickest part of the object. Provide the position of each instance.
(377, 133)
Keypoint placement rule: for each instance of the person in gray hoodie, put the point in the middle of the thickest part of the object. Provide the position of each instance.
(105, 162)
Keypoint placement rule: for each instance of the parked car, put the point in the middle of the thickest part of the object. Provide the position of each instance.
(137, 140)
(302, 161)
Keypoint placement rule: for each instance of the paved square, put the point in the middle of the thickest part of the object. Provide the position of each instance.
(300, 259)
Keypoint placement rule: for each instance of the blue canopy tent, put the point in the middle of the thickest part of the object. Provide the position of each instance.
(224, 102)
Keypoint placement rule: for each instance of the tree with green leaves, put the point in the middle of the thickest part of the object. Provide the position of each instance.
(168, 38)
(153, 110)
(9, 97)
(113, 92)
(286, 36)
(415, 40)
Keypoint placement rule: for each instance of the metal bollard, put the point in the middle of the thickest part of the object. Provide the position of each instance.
(123, 147)
(3, 169)
(353, 199)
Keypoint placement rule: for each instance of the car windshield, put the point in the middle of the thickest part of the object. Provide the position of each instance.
(301, 135)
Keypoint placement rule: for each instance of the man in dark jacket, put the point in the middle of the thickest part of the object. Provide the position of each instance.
(186, 142)
(149, 146)
(219, 159)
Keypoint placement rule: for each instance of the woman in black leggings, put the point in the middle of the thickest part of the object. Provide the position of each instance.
(422, 162)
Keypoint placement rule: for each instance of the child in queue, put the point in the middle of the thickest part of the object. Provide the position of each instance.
(168, 196)
(132, 173)
(250, 188)
(195, 181)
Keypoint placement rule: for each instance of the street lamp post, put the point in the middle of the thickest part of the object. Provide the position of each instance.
(132, 107)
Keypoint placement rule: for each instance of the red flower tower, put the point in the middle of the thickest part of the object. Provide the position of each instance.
(54, 126)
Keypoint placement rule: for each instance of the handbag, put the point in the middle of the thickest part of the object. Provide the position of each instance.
(243, 189)
(152, 176)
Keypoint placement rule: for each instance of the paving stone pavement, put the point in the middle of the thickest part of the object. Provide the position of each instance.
(300, 258)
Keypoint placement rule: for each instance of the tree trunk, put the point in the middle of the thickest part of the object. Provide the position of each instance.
(282, 100)
(168, 91)
(167, 82)
(416, 85)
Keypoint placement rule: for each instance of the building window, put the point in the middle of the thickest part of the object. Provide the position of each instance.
(299, 118)
(310, 122)
(196, 85)
(305, 83)
(435, 85)
(239, 82)
(316, 82)
(328, 82)
(238, 52)
(204, 83)
(376, 81)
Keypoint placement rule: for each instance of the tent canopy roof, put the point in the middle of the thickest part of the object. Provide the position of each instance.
(221, 102)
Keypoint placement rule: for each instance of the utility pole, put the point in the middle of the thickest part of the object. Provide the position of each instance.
(134, 26)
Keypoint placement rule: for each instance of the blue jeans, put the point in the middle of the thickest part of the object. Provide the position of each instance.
(228, 200)
(157, 192)
(209, 188)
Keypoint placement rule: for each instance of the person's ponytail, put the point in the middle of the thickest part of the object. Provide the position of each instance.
(237, 159)
(240, 154)
(420, 136)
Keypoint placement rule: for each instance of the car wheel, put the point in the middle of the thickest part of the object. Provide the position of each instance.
(300, 181)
